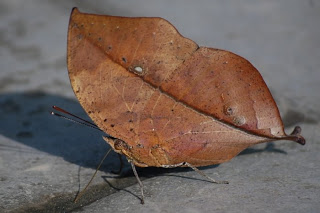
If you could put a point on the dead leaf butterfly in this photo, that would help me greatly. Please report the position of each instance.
(165, 101)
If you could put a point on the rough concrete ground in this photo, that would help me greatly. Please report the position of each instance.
(44, 160)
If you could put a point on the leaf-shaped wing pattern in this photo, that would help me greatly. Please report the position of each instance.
(165, 98)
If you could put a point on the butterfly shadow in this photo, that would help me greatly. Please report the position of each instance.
(269, 147)
(26, 119)
(127, 178)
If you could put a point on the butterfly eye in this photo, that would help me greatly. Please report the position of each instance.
(120, 145)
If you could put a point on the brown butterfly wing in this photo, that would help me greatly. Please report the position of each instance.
(167, 99)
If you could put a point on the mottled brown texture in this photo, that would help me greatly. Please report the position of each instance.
(165, 99)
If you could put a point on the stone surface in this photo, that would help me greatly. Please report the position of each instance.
(44, 160)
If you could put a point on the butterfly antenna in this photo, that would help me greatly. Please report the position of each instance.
(68, 113)
(81, 120)
(75, 121)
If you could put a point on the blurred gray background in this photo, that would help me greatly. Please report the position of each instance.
(44, 160)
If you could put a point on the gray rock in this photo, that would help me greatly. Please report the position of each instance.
(44, 160)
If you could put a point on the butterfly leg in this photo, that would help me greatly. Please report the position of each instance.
(138, 179)
(79, 195)
(204, 174)
(197, 170)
